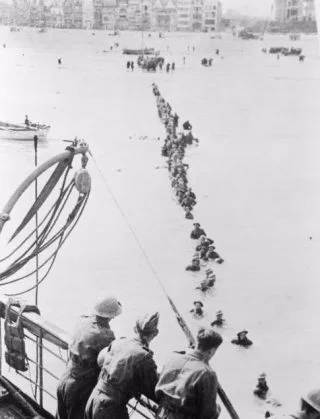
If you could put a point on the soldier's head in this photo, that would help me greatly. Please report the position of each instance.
(107, 308)
(146, 326)
(310, 405)
(208, 341)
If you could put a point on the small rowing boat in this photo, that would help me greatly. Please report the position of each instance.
(145, 51)
(23, 132)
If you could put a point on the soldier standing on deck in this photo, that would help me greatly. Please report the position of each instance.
(92, 334)
(127, 370)
(187, 386)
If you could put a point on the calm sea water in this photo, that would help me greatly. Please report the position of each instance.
(255, 173)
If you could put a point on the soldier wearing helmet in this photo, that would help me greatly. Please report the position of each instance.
(127, 370)
(92, 334)
(310, 406)
(187, 386)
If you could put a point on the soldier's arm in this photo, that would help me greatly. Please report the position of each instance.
(103, 346)
(207, 396)
(148, 377)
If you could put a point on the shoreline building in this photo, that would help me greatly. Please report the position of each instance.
(164, 16)
(134, 15)
(5, 13)
(309, 10)
(109, 14)
(146, 15)
(184, 13)
(212, 15)
(286, 11)
(197, 15)
(73, 16)
(87, 14)
(122, 23)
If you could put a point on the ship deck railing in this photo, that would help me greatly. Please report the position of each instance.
(47, 348)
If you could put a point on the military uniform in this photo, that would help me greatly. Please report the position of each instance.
(75, 387)
(197, 233)
(128, 370)
(187, 388)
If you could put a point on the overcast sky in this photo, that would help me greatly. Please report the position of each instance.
(252, 7)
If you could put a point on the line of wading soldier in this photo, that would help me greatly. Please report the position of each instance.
(104, 373)
(174, 148)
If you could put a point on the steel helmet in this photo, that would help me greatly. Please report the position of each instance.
(107, 307)
(313, 399)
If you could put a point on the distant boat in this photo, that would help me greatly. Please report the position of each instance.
(14, 29)
(145, 51)
(42, 30)
(244, 34)
(23, 132)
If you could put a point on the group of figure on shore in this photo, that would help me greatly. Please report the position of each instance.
(207, 62)
(103, 373)
(130, 65)
(152, 64)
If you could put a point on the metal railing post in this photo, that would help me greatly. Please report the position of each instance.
(40, 366)
(0, 346)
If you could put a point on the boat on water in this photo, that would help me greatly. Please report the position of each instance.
(145, 51)
(14, 29)
(285, 51)
(23, 132)
(244, 34)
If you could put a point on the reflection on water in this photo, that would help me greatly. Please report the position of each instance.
(255, 174)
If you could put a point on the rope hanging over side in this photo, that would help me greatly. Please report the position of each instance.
(223, 396)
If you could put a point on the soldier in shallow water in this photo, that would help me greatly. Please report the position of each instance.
(242, 339)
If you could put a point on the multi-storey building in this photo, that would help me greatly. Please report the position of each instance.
(184, 15)
(294, 10)
(5, 13)
(20, 12)
(73, 16)
(109, 14)
(134, 15)
(212, 15)
(309, 10)
(146, 15)
(97, 14)
(122, 23)
(164, 16)
(87, 14)
(280, 10)
(197, 16)
(56, 19)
